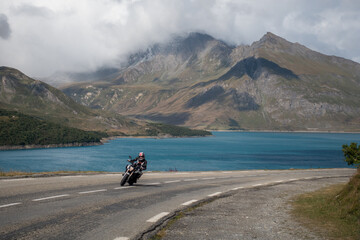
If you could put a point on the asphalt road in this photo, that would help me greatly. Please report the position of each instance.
(96, 207)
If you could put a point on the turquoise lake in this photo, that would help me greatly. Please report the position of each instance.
(223, 151)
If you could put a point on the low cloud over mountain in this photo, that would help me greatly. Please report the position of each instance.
(42, 37)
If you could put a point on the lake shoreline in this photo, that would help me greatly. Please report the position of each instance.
(102, 141)
(284, 131)
(26, 147)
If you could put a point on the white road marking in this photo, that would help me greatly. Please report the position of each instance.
(279, 181)
(122, 238)
(191, 179)
(214, 194)
(73, 176)
(10, 204)
(293, 179)
(117, 188)
(157, 217)
(93, 191)
(174, 181)
(208, 178)
(256, 185)
(17, 179)
(52, 197)
(237, 188)
(189, 202)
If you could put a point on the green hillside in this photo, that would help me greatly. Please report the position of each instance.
(20, 129)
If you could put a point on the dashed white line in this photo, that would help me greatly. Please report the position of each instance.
(279, 181)
(118, 188)
(174, 181)
(10, 204)
(51, 197)
(191, 179)
(18, 179)
(73, 176)
(122, 238)
(256, 185)
(208, 178)
(157, 217)
(214, 194)
(93, 191)
(293, 179)
(189, 202)
(237, 188)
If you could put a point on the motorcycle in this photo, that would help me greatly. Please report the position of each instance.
(132, 173)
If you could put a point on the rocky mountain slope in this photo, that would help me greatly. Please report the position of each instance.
(59, 114)
(201, 82)
(20, 93)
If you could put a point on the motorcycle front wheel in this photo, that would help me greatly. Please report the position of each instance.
(124, 179)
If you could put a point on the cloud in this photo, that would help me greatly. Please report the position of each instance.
(5, 30)
(82, 35)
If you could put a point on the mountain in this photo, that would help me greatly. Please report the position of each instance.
(202, 82)
(21, 93)
(33, 112)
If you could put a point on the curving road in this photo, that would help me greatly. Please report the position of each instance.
(96, 207)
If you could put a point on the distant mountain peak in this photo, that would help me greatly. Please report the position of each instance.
(183, 46)
(199, 37)
(271, 38)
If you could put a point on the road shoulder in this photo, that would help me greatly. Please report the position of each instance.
(251, 213)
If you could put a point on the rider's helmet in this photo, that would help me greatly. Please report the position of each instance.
(141, 155)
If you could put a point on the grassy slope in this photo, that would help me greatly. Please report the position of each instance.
(333, 212)
(20, 129)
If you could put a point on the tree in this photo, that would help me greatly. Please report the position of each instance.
(352, 154)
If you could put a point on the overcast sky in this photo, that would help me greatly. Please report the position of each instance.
(40, 37)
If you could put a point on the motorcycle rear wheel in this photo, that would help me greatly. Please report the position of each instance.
(131, 181)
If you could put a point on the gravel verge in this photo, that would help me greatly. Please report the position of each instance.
(252, 213)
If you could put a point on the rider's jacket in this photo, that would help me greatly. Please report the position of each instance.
(139, 161)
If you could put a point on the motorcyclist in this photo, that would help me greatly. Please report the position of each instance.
(139, 162)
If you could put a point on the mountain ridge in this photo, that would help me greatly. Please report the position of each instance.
(272, 84)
